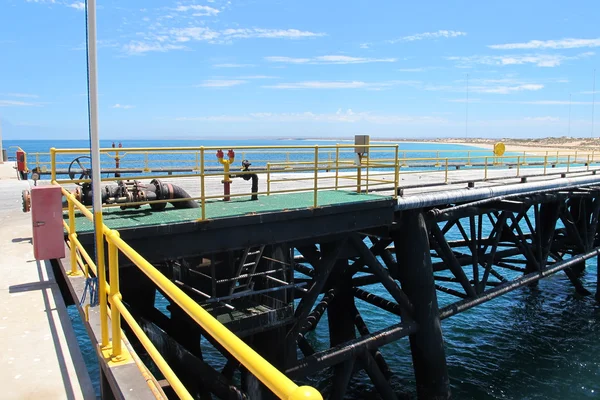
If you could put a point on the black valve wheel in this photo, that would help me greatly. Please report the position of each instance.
(79, 169)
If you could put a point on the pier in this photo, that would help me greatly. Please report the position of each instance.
(200, 254)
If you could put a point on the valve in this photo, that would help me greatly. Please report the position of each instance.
(220, 154)
(231, 154)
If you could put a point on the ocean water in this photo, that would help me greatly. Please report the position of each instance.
(533, 343)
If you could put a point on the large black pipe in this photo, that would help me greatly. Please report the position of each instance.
(504, 288)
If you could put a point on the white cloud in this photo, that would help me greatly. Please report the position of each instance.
(490, 86)
(555, 102)
(549, 44)
(330, 59)
(78, 5)
(200, 10)
(233, 65)
(429, 35)
(288, 60)
(542, 119)
(246, 33)
(123, 106)
(340, 85)
(221, 83)
(135, 48)
(258, 77)
(22, 95)
(505, 89)
(364, 45)
(16, 103)
(194, 33)
(411, 69)
(344, 116)
(540, 60)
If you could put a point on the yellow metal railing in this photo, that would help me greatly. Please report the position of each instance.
(323, 167)
(311, 169)
(271, 377)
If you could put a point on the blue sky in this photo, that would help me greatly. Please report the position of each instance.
(290, 68)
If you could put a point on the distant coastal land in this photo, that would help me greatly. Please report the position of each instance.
(532, 146)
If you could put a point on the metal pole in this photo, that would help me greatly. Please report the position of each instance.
(95, 156)
(593, 101)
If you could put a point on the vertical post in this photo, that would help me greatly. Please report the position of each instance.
(146, 169)
(593, 155)
(197, 156)
(359, 173)
(202, 188)
(95, 155)
(545, 162)
(337, 165)
(37, 161)
(588, 163)
(368, 162)
(396, 173)
(316, 182)
(568, 162)
(52, 164)
(485, 169)
(575, 157)
(468, 158)
(446, 173)
(518, 165)
(72, 237)
(268, 179)
(415, 273)
(115, 316)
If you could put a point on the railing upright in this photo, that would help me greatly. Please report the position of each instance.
(337, 165)
(396, 174)
(316, 182)
(202, 187)
(115, 295)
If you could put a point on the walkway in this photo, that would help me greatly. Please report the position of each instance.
(40, 357)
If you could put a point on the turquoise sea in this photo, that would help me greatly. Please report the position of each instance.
(533, 343)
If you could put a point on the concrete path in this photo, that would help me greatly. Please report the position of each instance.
(40, 358)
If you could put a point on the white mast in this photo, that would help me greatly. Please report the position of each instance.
(93, 107)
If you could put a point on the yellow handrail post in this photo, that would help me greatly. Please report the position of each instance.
(337, 164)
(101, 281)
(197, 166)
(468, 158)
(115, 316)
(545, 162)
(146, 169)
(359, 174)
(268, 179)
(52, 164)
(593, 156)
(202, 191)
(575, 156)
(485, 169)
(568, 163)
(518, 165)
(37, 161)
(316, 182)
(437, 158)
(587, 163)
(368, 164)
(446, 173)
(396, 174)
(72, 238)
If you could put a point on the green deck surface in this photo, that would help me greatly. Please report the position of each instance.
(115, 218)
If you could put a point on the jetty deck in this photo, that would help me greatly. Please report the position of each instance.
(41, 357)
(254, 277)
